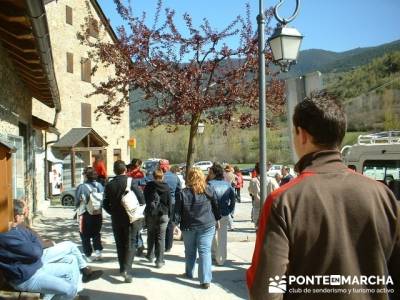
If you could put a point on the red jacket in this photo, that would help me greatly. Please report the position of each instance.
(100, 168)
(135, 173)
(239, 180)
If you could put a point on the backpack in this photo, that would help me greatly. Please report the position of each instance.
(131, 203)
(155, 206)
(95, 201)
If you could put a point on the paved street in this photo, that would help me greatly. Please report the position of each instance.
(168, 282)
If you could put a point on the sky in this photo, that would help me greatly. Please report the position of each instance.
(335, 25)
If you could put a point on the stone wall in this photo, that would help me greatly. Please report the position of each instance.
(15, 110)
(72, 89)
(15, 101)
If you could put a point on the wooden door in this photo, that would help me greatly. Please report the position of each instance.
(6, 207)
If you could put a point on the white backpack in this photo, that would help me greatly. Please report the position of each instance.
(95, 201)
(131, 203)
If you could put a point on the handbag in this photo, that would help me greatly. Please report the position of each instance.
(131, 203)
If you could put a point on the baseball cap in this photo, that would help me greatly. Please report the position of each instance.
(164, 165)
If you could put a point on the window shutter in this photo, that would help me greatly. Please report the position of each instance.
(68, 15)
(93, 28)
(86, 69)
(70, 62)
(117, 154)
(86, 115)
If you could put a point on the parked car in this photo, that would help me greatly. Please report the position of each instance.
(275, 169)
(68, 197)
(182, 166)
(150, 165)
(203, 165)
(247, 171)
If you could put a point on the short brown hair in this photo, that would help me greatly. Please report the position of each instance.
(323, 117)
(158, 175)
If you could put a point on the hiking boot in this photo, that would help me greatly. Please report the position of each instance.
(149, 258)
(204, 285)
(188, 276)
(159, 264)
(127, 277)
(140, 251)
(91, 275)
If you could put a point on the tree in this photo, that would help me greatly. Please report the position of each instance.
(191, 77)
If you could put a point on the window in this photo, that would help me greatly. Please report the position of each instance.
(19, 166)
(385, 171)
(68, 15)
(70, 62)
(93, 28)
(117, 154)
(86, 69)
(86, 115)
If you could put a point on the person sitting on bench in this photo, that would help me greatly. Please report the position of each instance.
(27, 267)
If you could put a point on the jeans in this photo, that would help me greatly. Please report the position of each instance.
(156, 229)
(60, 251)
(169, 235)
(125, 236)
(59, 280)
(238, 198)
(90, 226)
(219, 247)
(57, 253)
(199, 240)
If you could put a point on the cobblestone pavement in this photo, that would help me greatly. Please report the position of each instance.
(57, 223)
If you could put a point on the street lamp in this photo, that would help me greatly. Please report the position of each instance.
(284, 44)
(285, 41)
(200, 128)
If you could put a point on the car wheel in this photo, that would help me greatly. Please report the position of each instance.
(67, 200)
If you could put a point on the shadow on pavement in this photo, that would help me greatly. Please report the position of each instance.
(100, 295)
(233, 281)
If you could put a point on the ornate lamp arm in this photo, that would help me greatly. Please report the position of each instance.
(284, 21)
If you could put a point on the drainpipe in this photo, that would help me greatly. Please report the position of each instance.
(37, 16)
(38, 19)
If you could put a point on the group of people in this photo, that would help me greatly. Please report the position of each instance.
(328, 221)
(202, 210)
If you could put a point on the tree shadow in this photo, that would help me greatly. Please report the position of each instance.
(102, 295)
(233, 281)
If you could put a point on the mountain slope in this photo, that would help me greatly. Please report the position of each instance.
(329, 61)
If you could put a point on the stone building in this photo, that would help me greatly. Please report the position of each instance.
(26, 74)
(73, 71)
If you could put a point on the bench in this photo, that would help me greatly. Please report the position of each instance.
(8, 292)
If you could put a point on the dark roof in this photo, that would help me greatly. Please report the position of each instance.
(73, 137)
(41, 124)
(25, 35)
(7, 145)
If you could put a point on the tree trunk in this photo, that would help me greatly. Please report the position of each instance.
(192, 142)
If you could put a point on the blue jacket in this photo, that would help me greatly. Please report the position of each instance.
(174, 184)
(20, 254)
(225, 196)
(196, 211)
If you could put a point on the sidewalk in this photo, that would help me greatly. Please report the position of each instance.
(167, 282)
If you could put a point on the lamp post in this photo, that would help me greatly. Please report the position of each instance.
(285, 44)
(200, 128)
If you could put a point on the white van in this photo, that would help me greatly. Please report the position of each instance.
(377, 156)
